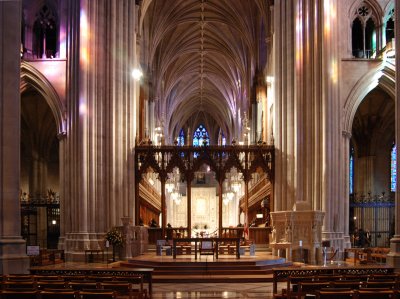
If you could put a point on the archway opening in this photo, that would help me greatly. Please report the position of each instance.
(40, 205)
(372, 202)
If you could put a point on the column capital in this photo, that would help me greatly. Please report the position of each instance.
(62, 136)
(346, 134)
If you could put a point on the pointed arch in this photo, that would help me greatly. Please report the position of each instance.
(383, 75)
(376, 12)
(31, 77)
(201, 136)
(388, 11)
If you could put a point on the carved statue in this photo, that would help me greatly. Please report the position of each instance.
(288, 234)
(273, 235)
(314, 233)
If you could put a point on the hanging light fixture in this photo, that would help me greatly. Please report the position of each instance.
(169, 186)
(230, 195)
(225, 199)
(173, 180)
(236, 185)
(178, 199)
(174, 195)
(227, 196)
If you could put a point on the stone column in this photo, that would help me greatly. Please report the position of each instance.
(189, 205)
(284, 104)
(344, 218)
(394, 255)
(13, 258)
(65, 209)
(68, 143)
(220, 190)
(307, 114)
(151, 121)
(102, 115)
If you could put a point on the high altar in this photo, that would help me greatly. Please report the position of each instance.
(298, 232)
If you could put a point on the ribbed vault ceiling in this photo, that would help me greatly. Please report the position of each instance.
(201, 58)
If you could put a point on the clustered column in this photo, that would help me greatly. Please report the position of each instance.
(307, 138)
(12, 246)
(394, 255)
(99, 182)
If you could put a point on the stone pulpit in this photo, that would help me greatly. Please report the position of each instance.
(299, 230)
(135, 239)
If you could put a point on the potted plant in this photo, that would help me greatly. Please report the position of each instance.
(115, 238)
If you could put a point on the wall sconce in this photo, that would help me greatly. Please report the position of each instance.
(137, 74)
(269, 79)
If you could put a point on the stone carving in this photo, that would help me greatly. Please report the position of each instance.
(273, 235)
(295, 229)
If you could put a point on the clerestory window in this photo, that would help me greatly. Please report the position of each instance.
(45, 34)
(363, 32)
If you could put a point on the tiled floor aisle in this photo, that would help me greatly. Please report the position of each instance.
(213, 290)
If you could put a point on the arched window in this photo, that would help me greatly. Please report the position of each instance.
(393, 173)
(45, 34)
(370, 39)
(221, 138)
(200, 137)
(181, 138)
(363, 32)
(351, 171)
(389, 28)
(357, 38)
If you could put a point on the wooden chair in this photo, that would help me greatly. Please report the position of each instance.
(121, 288)
(384, 277)
(375, 289)
(73, 277)
(48, 278)
(335, 294)
(80, 285)
(356, 277)
(389, 284)
(351, 284)
(19, 285)
(310, 287)
(293, 283)
(207, 247)
(329, 277)
(51, 284)
(98, 294)
(99, 278)
(374, 294)
(19, 294)
(59, 294)
(18, 277)
(134, 280)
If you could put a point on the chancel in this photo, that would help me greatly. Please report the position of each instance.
(253, 135)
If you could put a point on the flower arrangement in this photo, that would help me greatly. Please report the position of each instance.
(115, 237)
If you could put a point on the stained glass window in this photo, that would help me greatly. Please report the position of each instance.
(181, 138)
(223, 139)
(351, 171)
(200, 137)
(393, 174)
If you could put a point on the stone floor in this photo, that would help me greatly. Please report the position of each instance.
(213, 290)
